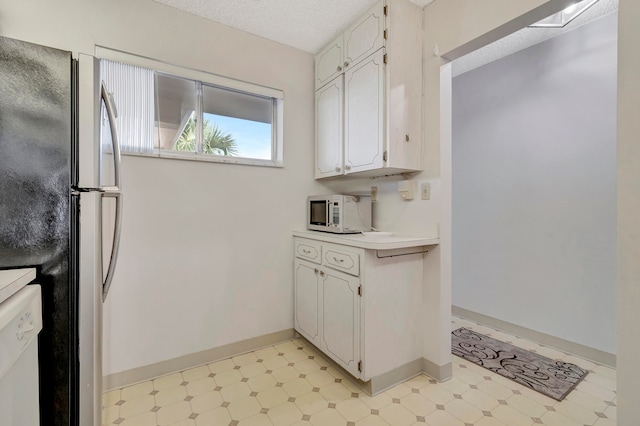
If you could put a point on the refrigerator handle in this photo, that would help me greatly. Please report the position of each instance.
(112, 192)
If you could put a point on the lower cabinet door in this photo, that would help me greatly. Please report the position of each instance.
(306, 320)
(341, 319)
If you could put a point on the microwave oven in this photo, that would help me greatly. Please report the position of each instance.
(340, 214)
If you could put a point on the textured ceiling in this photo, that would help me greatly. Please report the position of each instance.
(304, 24)
(527, 37)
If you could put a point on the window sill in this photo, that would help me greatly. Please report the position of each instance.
(207, 158)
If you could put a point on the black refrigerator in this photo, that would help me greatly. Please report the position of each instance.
(56, 118)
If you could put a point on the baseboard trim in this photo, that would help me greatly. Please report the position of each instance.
(441, 373)
(582, 351)
(152, 371)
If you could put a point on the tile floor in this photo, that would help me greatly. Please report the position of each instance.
(290, 384)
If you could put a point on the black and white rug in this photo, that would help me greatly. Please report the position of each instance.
(552, 378)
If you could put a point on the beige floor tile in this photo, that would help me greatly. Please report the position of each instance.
(186, 422)
(553, 418)
(173, 413)
(296, 356)
(418, 382)
(169, 381)
(353, 409)
(417, 404)
(463, 410)
(252, 370)
(200, 386)
(469, 377)
(285, 374)
(376, 402)
(196, 373)
(284, 414)
(335, 392)
(311, 403)
(111, 397)
(601, 381)
(146, 419)
(206, 401)
(327, 417)
(264, 353)
(235, 391)
(576, 412)
(297, 387)
(134, 407)
(307, 366)
(605, 371)
(243, 408)
(320, 378)
(397, 415)
(454, 385)
(537, 396)
(257, 420)
(302, 423)
(527, 406)
(275, 363)
(596, 391)
(261, 382)
(110, 414)
(489, 421)
(398, 391)
(335, 372)
(286, 347)
(372, 421)
(480, 400)
(227, 378)
(136, 391)
(495, 389)
(272, 397)
(510, 416)
(220, 366)
(611, 413)
(216, 417)
(436, 394)
(442, 418)
(244, 359)
(169, 396)
(605, 422)
(586, 401)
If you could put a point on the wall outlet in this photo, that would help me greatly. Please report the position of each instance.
(425, 191)
(374, 193)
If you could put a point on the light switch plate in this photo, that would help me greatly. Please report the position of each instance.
(425, 191)
(374, 193)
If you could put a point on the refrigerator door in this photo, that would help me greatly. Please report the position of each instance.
(100, 223)
(90, 244)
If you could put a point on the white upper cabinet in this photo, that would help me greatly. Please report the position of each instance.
(369, 95)
(361, 39)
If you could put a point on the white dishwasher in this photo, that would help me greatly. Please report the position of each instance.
(20, 323)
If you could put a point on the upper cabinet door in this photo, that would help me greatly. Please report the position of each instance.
(329, 62)
(329, 101)
(364, 106)
(364, 37)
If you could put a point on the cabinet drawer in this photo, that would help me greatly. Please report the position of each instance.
(340, 259)
(308, 249)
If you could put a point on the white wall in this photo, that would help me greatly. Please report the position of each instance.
(206, 253)
(534, 214)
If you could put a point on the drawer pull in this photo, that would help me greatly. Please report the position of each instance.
(335, 259)
(316, 270)
(322, 273)
(305, 251)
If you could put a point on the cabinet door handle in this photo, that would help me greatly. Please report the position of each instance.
(322, 273)
(316, 270)
(335, 259)
(338, 169)
(339, 68)
(347, 167)
(346, 64)
(305, 251)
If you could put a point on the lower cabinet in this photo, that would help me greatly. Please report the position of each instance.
(327, 312)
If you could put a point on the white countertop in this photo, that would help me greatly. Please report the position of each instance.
(370, 240)
(12, 280)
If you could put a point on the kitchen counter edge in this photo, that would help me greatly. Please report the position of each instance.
(367, 242)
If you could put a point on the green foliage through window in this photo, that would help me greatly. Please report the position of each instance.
(214, 140)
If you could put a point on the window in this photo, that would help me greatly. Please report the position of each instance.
(195, 116)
